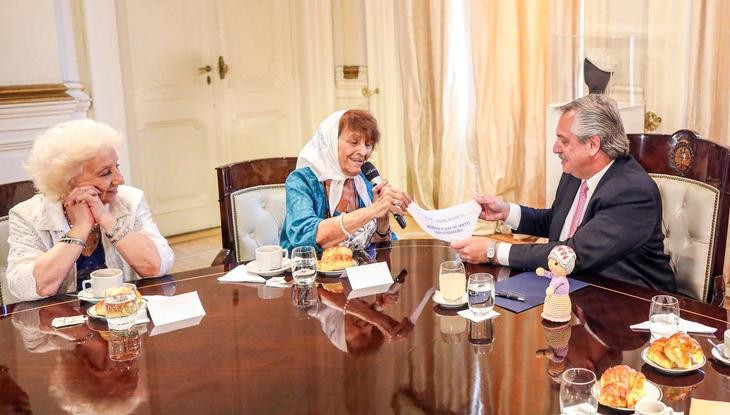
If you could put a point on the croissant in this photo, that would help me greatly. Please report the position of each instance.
(336, 258)
(621, 387)
(683, 350)
(656, 354)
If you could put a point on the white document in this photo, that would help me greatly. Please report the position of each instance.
(450, 224)
(176, 308)
(239, 274)
(369, 279)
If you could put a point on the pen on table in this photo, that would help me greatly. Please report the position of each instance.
(511, 296)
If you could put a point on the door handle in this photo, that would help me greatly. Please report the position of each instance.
(222, 67)
(204, 69)
(367, 92)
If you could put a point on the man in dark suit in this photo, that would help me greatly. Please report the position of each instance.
(606, 208)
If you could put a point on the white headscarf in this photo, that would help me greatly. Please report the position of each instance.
(320, 155)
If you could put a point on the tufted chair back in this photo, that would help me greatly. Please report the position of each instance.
(10, 195)
(692, 176)
(252, 204)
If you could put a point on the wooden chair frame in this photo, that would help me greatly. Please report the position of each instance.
(241, 175)
(686, 154)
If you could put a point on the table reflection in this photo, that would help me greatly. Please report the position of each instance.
(13, 399)
(83, 372)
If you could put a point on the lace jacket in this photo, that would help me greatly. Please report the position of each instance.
(37, 224)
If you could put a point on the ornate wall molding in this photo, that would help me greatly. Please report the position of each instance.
(19, 94)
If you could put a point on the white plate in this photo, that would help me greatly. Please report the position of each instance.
(718, 354)
(645, 358)
(91, 311)
(337, 272)
(651, 391)
(87, 295)
(440, 300)
(253, 268)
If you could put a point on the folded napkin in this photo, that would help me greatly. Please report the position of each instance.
(467, 314)
(279, 282)
(684, 325)
(239, 274)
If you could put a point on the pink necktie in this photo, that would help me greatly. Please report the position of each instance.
(582, 196)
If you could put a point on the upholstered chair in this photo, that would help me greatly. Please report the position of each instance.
(693, 179)
(252, 204)
(10, 195)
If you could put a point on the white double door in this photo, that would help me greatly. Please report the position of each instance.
(187, 114)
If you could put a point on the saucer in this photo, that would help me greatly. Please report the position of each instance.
(441, 301)
(718, 355)
(645, 358)
(87, 295)
(253, 268)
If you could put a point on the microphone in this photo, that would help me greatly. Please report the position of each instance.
(371, 173)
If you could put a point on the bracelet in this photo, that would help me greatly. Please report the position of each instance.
(344, 309)
(120, 235)
(384, 234)
(73, 241)
(342, 225)
(116, 228)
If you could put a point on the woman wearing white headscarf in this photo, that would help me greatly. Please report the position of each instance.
(328, 200)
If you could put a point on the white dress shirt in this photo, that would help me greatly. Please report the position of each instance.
(515, 215)
(38, 224)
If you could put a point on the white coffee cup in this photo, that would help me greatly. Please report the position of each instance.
(102, 279)
(269, 257)
(652, 407)
(726, 349)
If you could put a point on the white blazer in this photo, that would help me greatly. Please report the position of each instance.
(37, 224)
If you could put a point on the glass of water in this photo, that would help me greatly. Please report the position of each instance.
(304, 265)
(481, 293)
(663, 316)
(121, 305)
(575, 392)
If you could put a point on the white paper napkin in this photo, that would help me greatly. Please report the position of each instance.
(467, 314)
(278, 282)
(684, 325)
(239, 274)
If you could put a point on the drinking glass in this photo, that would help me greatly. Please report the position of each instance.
(124, 344)
(481, 293)
(121, 306)
(663, 316)
(304, 265)
(452, 280)
(575, 392)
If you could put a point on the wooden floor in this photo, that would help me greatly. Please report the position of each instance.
(197, 249)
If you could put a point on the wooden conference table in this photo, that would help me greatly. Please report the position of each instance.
(257, 352)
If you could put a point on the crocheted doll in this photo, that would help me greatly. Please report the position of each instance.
(561, 262)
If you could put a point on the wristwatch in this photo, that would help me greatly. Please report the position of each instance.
(491, 251)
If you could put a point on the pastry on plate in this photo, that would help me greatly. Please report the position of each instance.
(621, 387)
(683, 350)
(336, 258)
(656, 354)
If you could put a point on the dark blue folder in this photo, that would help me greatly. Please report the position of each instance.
(532, 286)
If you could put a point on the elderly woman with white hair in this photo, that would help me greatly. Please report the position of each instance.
(83, 219)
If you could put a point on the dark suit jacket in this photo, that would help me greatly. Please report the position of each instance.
(620, 236)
